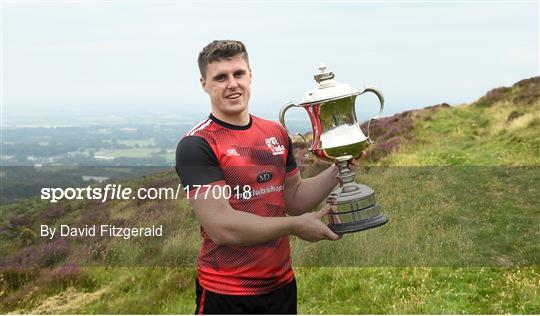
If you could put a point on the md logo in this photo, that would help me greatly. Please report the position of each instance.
(263, 177)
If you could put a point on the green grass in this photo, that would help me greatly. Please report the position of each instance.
(418, 291)
(472, 135)
(464, 216)
(145, 291)
(117, 291)
(321, 291)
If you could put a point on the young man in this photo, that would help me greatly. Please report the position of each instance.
(252, 182)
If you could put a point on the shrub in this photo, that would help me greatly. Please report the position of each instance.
(390, 132)
(27, 236)
(94, 213)
(41, 255)
(385, 148)
(12, 278)
(514, 115)
(22, 220)
(528, 95)
(493, 96)
(64, 276)
(52, 214)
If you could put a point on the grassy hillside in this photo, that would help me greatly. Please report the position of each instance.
(501, 128)
(459, 184)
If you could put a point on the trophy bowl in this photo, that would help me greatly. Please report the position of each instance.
(337, 138)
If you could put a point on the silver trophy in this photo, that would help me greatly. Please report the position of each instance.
(337, 138)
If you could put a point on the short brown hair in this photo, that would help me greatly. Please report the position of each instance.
(219, 50)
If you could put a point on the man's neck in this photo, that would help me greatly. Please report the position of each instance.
(238, 120)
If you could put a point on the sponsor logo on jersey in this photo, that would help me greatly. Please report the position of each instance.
(232, 152)
(270, 189)
(274, 145)
(263, 177)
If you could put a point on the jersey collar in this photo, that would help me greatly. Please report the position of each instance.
(231, 126)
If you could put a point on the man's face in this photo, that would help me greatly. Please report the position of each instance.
(228, 83)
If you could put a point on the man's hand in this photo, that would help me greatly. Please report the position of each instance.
(354, 163)
(311, 228)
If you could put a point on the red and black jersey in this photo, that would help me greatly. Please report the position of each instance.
(257, 158)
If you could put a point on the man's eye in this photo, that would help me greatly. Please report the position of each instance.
(239, 74)
(220, 78)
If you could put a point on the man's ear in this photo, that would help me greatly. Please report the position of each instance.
(203, 84)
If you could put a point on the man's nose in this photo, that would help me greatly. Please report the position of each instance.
(231, 82)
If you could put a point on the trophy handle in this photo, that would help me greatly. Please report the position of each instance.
(381, 101)
(282, 121)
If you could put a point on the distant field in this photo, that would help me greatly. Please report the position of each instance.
(138, 142)
(141, 153)
(131, 145)
(131, 153)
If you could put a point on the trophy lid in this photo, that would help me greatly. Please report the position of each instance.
(327, 88)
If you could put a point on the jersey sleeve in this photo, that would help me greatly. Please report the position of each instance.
(196, 162)
(291, 163)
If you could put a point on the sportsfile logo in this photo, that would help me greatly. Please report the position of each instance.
(232, 152)
(276, 148)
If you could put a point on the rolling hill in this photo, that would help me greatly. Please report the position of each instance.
(459, 184)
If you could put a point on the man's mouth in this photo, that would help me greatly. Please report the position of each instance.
(233, 96)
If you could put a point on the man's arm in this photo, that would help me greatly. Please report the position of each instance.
(230, 227)
(303, 195)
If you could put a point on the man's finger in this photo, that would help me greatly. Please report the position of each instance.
(325, 210)
(331, 235)
(353, 163)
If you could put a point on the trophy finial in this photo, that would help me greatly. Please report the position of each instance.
(324, 74)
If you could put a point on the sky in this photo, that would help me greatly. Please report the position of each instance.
(68, 58)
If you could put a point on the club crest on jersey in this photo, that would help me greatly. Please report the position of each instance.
(276, 148)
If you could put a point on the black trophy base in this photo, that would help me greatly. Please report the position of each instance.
(356, 226)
